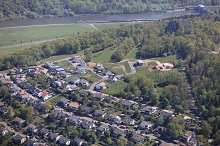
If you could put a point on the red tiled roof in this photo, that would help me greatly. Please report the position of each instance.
(44, 94)
(74, 105)
(18, 119)
(113, 115)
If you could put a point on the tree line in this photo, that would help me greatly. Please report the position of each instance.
(11, 9)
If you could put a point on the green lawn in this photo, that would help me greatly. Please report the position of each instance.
(132, 54)
(143, 71)
(26, 34)
(115, 87)
(65, 64)
(167, 59)
(111, 25)
(90, 77)
(56, 99)
(53, 58)
(127, 67)
(104, 55)
(152, 64)
(114, 67)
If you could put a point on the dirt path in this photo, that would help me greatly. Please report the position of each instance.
(93, 26)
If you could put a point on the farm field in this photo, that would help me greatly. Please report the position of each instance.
(104, 55)
(26, 34)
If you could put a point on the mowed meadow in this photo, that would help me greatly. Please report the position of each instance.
(22, 37)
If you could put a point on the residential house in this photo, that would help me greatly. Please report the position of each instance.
(75, 59)
(60, 70)
(45, 95)
(84, 82)
(37, 92)
(3, 131)
(32, 128)
(101, 130)
(39, 107)
(15, 71)
(87, 109)
(87, 124)
(165, 114)
(67, 75)
(19, 138)
(74, 106)
(128, 121)
(51, 65)
(109, 99)
(21, 75)
(145, 125)
(74, 120)
(128, 104)
(3, 110)
(14, 90)
(59, 115)
(112, 79)
(136, 138)
(20, 80)
(100, 113)
(114, 118)
(81, 70)
(118, 132)
(188, 136)
(18, 120)
(100, 86)
(149, 109)
(192, 142)
(44, 132)
(66, 86)
(31, 142)
(83, 92)
(75, 80)
(58, 83)
(139, 63)
(99, 67)
(64, 141)
(79, 141)
(98, 96)
(54, 136)
(6, 83)
(26, 86)
(106, 72)
(81, 63)
(64, 102)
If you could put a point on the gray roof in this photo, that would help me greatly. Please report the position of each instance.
(44, 131)
(145, 123)
(64, 139)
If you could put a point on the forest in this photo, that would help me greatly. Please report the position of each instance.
(17, 9)
(191, 38)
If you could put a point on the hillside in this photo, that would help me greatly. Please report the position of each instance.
(17, 9)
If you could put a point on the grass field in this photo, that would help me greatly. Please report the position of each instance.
(114, 67)
(115, 87)
(56, 99)
(127, 67)
(104, 55)
(167, 59)
(132, 54)
(53, 58)
(25, 34)
(90, 77)
(65, 64)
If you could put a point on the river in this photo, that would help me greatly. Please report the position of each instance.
(109, 17)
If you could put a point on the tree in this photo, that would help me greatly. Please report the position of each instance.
(109, 141)
(174, 131)
(122, 141)
(10, 111)
(206, 130)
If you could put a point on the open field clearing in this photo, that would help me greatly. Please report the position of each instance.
(104, 55)
(115, 87)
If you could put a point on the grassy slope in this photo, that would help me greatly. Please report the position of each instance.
(104, 55)
(115, 87)
(56, 99)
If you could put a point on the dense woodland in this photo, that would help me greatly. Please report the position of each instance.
(16, 9)
(191, 38)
